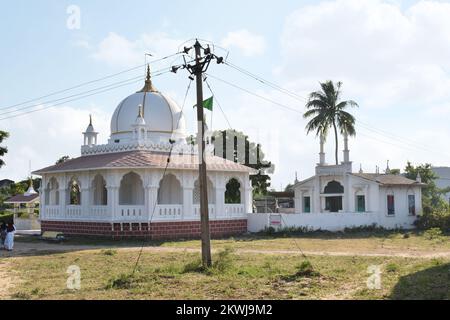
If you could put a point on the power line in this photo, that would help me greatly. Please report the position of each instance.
(87, 83)
(255, 94)
(75, 97)
(300, 98)
(78, 98)
(220, 107)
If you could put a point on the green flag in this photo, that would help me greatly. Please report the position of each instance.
(207, 104)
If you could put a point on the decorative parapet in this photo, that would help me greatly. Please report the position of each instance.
(158, 147)
(331, 170)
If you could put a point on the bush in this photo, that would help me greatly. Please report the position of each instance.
(224, 260)
(305, 269)
(433, 234)
(6, 217)
(123, 281)
(434, 219)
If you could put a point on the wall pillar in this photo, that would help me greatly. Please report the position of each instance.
(62, 201)
(85, 202)
(220, 201)
(151, 200)
(188, 201)
(113, 201)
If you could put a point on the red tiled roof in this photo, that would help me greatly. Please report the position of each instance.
(142, 159)
(20, 198)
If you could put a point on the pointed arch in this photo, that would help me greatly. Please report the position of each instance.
(131, 191)
(211, 192)
(52, 192)
(233, 191)
(170, 191)
(99, 193)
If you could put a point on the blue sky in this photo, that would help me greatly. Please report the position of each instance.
(391, 55)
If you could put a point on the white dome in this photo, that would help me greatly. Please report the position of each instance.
(161, 115)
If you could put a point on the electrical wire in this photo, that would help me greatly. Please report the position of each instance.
(75, 97)
(88, 82)
(218, 103)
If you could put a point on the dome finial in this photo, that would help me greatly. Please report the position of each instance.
(148, 86)
(90, 119)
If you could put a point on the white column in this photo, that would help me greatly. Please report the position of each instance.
(188, 205)
(113, 201)
(220, 201)
(151, 199)
(85, 202)
(62, 202)
(322, 153)
(316, 200)
(346, 151)
(248, 204)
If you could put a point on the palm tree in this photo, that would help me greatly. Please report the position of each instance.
(3, 150)
(327, 112)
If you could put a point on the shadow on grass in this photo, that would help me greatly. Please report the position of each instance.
(429, 284)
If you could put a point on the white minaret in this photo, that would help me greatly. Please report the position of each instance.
(322, 153)
(418, 178)
(90, 136)
(140, 127)
(346, 151)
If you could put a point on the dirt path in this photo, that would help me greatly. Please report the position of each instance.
(30, 249)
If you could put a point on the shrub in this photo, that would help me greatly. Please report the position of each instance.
(433, 234)
(392, 267)
(123, 281)
(109, 252)
(305, 269)
(439, 218)
(224, 260)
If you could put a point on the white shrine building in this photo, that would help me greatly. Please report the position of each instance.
(119, 189)
(336, 198)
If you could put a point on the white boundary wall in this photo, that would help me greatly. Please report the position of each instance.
(327, 221)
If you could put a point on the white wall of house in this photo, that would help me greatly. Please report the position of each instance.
(140, 201)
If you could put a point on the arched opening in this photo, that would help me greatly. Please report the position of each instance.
(211, 192)
(99, 193)
(170, 191)
(232, 191)
(73, 192)
(333, 203)
(131, 190)
(52, 193)
(333, 187)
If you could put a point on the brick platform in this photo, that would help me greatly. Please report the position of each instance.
(156, 230)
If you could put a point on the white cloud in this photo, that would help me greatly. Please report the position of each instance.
(48, 135)
(249, 43)
(374, 47)
(119, 51)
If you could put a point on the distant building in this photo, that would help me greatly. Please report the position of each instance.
(443, 180)
(336, 198)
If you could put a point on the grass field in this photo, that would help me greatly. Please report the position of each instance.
(239, 274)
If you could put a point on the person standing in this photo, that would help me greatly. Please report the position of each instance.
(9, 241)
(3, 232)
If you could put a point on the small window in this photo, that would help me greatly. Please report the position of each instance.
(390, 205)
(360, 203)
(412, 205)
(307, 204)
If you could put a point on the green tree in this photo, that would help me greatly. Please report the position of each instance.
(62, 159)
(252, 151)
(3, 150)
(327, 111)
(431, 194)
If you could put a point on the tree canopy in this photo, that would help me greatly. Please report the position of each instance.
(326, 111)
(3, 150)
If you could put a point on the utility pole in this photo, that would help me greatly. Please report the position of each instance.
(205, 232)
(200, 66)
